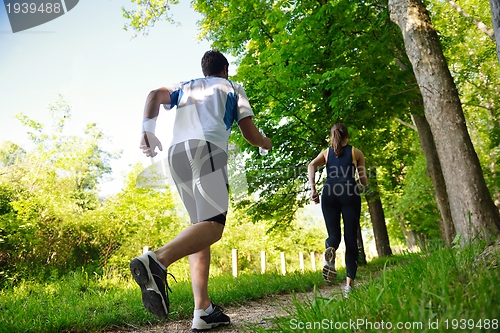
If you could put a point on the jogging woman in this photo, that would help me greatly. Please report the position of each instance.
(340, 197)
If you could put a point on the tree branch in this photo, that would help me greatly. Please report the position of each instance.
(480, 25)
(402, 122)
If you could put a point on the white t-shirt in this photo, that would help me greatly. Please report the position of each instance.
(206, 109)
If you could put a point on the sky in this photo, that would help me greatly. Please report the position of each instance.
(101, 72)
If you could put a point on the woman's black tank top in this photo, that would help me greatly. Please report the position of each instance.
(340, 169)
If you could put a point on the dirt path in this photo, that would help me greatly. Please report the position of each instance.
(257, 312)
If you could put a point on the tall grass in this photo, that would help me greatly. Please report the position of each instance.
(443, 291)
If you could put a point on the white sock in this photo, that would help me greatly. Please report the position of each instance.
(210, 309)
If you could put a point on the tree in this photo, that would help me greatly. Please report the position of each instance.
(142, 18)
(435, 172)
(10, 154)
(470, 51)
(361, 249)
(480, 25)
(49, 189)
(495, 14)
(434, 169)
(378, 223)
(472, 208)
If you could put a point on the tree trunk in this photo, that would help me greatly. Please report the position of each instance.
(495, 16)
(435, 172)
(411, 242)
(377, 217)
(496, 192)
(378, 223)
(471, 205)
(361, 249)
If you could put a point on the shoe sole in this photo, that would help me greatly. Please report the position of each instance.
(213, 325)
(330, 254)
(329, 275)
(151, 298)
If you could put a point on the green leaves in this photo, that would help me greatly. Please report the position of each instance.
(48, 192)
(147, 13)
(306, 65)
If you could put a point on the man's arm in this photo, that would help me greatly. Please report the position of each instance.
(252, 134)
(149, 141)
(154, 100)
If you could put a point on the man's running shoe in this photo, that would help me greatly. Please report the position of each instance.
(329, 272)
(203, 321)
(152, 278)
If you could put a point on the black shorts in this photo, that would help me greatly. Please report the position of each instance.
(199, 170)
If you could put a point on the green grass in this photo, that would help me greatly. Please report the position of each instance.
(443, 291)
(82, 303)
(443, 285)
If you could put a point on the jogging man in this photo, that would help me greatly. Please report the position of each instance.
(206, 110)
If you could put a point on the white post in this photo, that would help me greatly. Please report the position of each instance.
(235, 262)
(262, 262)
(283, 263)
(313, 262)
(301, 261)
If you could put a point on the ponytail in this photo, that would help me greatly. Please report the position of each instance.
(338, 134)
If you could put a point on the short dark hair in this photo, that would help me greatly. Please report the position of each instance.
(213, 62)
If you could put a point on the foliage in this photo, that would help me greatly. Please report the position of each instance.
(306, 65)
(148, 12)
(11, 154)
(417, 205)
(46, 191)
(407, 190)
(57, 221)
(413, 204)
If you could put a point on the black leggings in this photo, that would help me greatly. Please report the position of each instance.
(337, 199)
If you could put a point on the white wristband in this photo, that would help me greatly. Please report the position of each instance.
(149, 125)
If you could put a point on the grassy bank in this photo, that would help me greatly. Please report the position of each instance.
(442, 291)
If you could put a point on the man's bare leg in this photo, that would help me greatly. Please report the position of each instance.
(193, 239)
(199, 265)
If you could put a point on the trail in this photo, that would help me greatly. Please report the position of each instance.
(259, 312)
